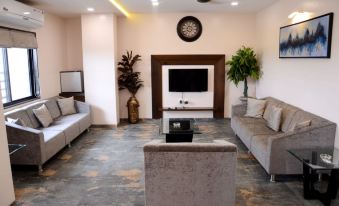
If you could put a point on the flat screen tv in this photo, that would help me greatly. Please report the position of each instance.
(188, 80)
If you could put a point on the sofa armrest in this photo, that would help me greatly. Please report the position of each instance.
(34, 152)
(321, 135)
(83, 107)
(239, 110)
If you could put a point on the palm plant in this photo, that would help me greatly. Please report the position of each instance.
(243, 64)
(129, 79)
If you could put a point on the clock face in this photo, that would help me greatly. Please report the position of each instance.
(189, 28)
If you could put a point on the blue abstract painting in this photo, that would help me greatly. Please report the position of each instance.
(308, 39)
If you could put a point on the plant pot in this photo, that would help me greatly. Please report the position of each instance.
(243, 99)
(133, 110)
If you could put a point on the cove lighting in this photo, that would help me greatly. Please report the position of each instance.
(155, 2)
(90, 9)
(234, 3)
(299, 16)
(119, 7)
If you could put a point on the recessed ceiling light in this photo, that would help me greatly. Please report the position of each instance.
(234, 3)
(155, 3)
(27, 13)
(90, 9)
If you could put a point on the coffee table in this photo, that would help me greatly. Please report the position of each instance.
(314, 161)
(178, 129)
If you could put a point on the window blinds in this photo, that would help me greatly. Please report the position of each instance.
(18, 39)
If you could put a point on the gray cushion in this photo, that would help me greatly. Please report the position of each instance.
(43, 115)
(53, 108)
(29, 109)
(255, 108)
(274, 118)
(20, 114)
(66, 106)
(16, 121)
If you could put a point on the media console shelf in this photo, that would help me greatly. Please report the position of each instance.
(186, 109)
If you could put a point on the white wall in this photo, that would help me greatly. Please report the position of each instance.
(148, 34)
(51, 54)
(98, 43)
(6, 187)
(311, 84)
(194, 99)
(73, 44)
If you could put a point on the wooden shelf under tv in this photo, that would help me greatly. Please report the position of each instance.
(186, 109)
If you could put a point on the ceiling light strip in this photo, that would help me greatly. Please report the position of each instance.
(119, 7)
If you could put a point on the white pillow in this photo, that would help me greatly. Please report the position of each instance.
(17, 121)
(255, 108)
(274, 118)
(43, 115)
(67, 106)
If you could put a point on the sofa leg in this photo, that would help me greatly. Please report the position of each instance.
(249, 152)
(87, 130)
(40, 169)
(272, 178)
(69, 145)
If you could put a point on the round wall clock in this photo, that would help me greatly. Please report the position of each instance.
(189, 28)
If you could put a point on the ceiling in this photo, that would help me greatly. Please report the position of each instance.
(69, 8)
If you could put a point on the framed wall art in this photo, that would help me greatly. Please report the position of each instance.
(307, 39)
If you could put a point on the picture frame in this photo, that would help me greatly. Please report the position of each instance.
(307, 39)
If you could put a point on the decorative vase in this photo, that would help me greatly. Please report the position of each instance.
(133, 110)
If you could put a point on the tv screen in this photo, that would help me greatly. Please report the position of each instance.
(188, 80)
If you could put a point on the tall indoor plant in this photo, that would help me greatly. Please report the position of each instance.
(130, 80)
(243, 64)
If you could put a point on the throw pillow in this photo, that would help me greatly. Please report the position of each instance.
(67, 106)
(43, 115)
(255, 108)
(17, 121)
(274, 118)
(301, 125)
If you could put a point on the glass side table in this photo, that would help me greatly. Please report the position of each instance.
(15, 147)
(315, 160)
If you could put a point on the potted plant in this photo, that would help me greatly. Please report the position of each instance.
(243, 64)
(130, 80)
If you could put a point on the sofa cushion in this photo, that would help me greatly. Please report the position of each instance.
(287, 115)
(255, 108)
(54, 141)
(274, 118)
(29, 109)
(17, 121)
(53, 107)
(20, 114)
(249, 127)
(43, 115)
(66, 106)
(300, 117)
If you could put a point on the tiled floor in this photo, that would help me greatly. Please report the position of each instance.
(105, 167)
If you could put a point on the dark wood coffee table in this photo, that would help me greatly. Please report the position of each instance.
(314, 162)
(178, 129)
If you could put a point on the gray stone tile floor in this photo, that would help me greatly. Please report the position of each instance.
(105, 167)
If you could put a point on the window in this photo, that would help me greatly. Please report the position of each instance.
(18, 75)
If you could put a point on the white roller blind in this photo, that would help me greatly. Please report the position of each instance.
(17, 39)
(5, 38)
(22, 39)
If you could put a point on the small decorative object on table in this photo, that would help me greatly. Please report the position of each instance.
(130, 80)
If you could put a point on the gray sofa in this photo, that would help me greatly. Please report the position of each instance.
(183, 174)
(270, 147)
(43, 143)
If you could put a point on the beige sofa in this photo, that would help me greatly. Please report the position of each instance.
(270, 147)
(187, 174)
(43, 143)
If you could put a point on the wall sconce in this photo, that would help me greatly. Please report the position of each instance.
(299, 16)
